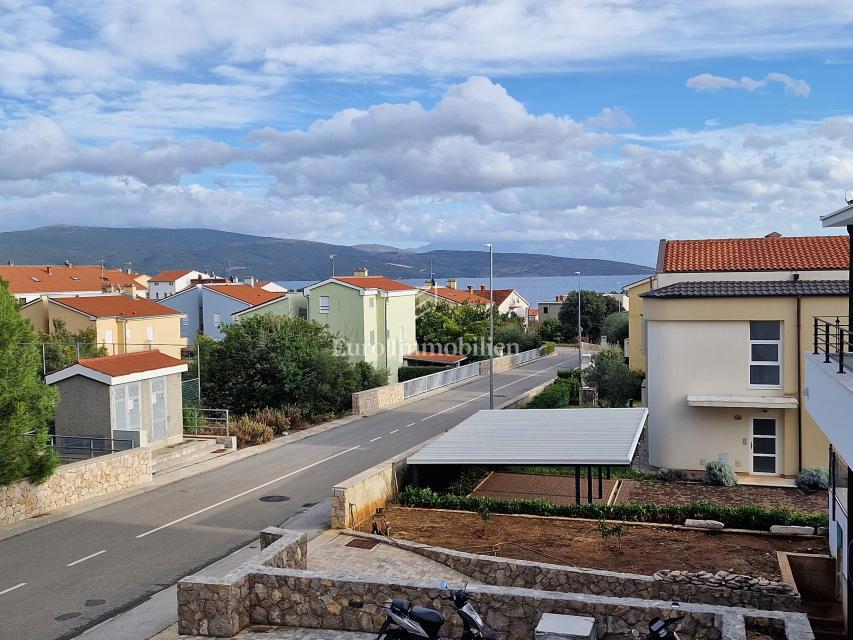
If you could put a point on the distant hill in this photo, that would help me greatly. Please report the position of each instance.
(150, 250)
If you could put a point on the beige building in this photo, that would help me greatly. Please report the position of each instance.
(123, 324)
(30, 282)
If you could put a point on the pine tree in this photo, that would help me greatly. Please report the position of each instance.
(26, 402)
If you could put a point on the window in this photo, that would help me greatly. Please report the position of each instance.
(370, 302)
(125, 398)
(217, 322)
(325, 304)
(303, 313)
(765, 354)
(372, 337)
(544, 311)
(108, 336)
(129, 332)
(185, 321)
(149, 334)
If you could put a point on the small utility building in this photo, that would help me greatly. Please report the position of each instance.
(133, 396)
(597, 439)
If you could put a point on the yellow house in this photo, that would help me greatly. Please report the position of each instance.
(123, 324)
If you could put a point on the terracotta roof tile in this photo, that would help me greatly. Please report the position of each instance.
(429, 356)
(459, 296)
(375, 282)
(499, 295)
(127, 363)
(63, 279)
(117, 306)
(171, 275)
(245, 293)
(780, 253)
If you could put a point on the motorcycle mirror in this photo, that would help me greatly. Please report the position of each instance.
(443, 584)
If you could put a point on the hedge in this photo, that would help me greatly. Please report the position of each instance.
(547, 348)
(409, 373)
(749, 516)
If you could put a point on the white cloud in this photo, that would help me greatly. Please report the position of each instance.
(709, 82)
(611, 118)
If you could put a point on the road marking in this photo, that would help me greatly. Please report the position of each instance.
(456, 406)
(89, 557)
(17, 586)
(394, 431)
(410, 425)
(246, 492)
(376, 438)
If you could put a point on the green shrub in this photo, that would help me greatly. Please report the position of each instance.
(720, 474)
(562, 393)
(366, 376)
(547, 348)
(569, 374)
(275, 419)
(672, 475)
(812, 479)
(249, 432)
(410, 373)
(749, 516)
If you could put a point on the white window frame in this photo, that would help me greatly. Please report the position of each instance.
(149, 334)
(372, 338)
(370, 302)
(765, 363)
(777, 442)
(108, 337)
(325, 304)
(126, 388)
(217, 321)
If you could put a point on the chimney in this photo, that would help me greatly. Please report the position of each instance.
(67, 264)
(560, 298)
(470, 288)
(482, 287)
(49, 270)
(250, 281)
(361, 272)
(451, 283)
(773, 234)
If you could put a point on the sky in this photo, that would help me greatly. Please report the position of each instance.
(537, 124)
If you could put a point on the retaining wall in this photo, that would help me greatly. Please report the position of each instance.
(275, 589)
(75, 482)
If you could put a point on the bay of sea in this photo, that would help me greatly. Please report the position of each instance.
(534, 290)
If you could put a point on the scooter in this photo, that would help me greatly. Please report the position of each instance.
(407, 622)
(659, 629)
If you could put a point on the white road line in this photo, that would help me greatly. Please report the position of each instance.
(456, 406)
(17, 586)
(89, 557)
(376, 438)
(410, 425)
(246, 492)
(394, 431)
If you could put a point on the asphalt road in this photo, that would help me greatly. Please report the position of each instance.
(57, 580)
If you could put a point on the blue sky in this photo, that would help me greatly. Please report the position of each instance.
(572, 126)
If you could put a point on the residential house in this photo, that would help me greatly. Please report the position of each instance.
(373, 315)
(509, 302)
(449, 294)
(551, 308)
(30, 282)
(167, 283)
(207, 307)
(134, 397)
(533, 314)
(292, 303)
(723, 348)
(122, 324)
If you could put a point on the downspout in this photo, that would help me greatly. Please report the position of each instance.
(799, 381)
(385, 328)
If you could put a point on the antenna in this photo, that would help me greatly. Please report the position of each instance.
(848, 196)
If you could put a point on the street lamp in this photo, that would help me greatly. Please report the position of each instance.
(580, 353)
(491, 329)
(332, 260)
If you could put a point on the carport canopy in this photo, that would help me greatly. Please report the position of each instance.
(556, 437)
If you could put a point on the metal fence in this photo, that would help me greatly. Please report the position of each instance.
(85, 447)
(833, 339)
(526, 356)
(207, 421)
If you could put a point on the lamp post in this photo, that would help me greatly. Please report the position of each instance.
(332, 260)
(580, 344)
(491, 329)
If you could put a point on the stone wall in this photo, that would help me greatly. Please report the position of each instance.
(551, 577)
(275, 589)
(373, 400)
(74, 483)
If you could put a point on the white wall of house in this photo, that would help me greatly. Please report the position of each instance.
(157, 290)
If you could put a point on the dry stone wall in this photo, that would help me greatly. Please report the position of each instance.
(74, 483)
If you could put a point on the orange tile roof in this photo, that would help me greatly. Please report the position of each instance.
(802, 253)
(127, 363)
(499, 295)
(171, 275)
(63, 279)
(245, 293)
(459, 296)
(374, 282)
(429, 356)
(117, 306)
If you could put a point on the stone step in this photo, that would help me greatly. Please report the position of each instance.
(180, 455)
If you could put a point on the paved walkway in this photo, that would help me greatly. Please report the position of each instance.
(329, 552)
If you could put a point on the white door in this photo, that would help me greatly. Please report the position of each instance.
(159, 426)
(765, 446)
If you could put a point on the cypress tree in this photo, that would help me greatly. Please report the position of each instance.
(26, 402)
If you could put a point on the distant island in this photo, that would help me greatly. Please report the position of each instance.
(150, 250)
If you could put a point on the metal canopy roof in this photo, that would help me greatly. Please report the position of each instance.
(539, 437)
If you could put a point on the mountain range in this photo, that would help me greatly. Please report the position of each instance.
(150, 250)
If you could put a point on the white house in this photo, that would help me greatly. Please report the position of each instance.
(167, 283)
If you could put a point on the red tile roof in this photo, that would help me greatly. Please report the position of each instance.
(171, 275)
(117, 306)
(429, 356)
(64, 279)
(459, 296)
(127, 363)
(499, 295)
(803, 253)
(374, 282)
(245, 293)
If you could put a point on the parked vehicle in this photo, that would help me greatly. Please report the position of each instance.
(408, 622)
(659, 629)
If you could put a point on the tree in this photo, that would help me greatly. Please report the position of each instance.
(594, 308)
(615, 327)
(26, 402)
(275, 361)
(440, 325)
(552, 330)
(615, 382)
(64, 347)
(514, 338)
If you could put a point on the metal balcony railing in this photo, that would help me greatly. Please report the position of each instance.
(832, 339)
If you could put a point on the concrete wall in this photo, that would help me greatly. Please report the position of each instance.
(84, 408)
(636, 327)
(74, 483)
